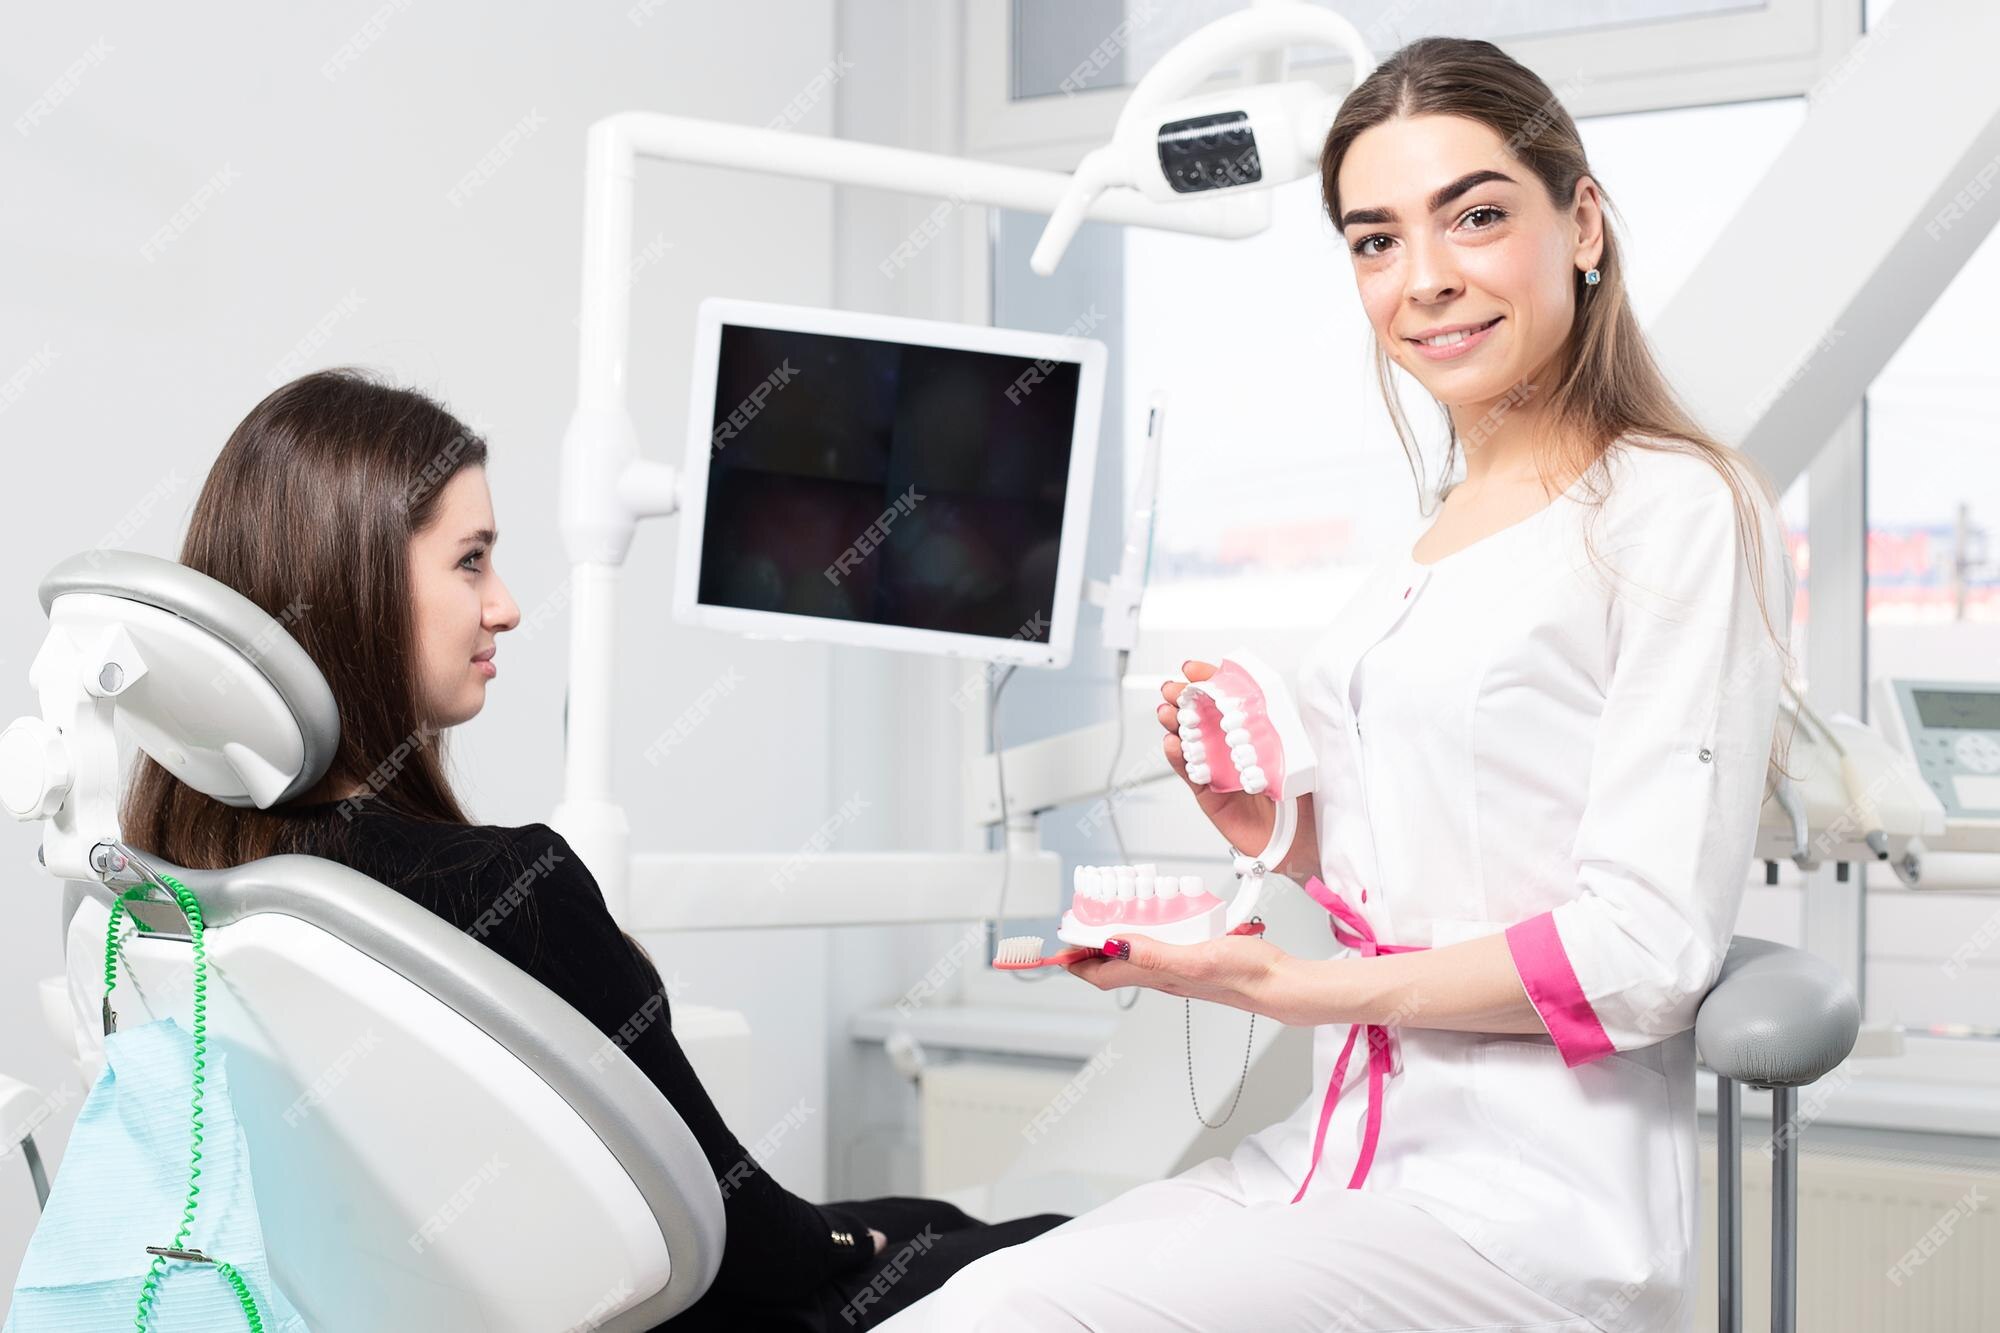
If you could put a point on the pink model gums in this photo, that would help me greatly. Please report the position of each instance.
(1138, 900)
(1239, 732)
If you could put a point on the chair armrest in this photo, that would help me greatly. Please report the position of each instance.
(1776, 1016)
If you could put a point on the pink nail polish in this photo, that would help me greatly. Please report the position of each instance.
(1116, 949)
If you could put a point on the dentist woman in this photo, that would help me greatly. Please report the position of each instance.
(1543, 730)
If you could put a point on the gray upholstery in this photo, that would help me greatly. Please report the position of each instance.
(629, 1114)
(229, 616)
(1777, 1017)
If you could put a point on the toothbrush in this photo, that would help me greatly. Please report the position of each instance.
(1019, 953)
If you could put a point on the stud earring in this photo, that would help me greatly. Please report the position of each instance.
(1592, 278)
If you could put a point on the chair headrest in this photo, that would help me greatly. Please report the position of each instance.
(228, 700)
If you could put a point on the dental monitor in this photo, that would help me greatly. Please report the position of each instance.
(888, 482)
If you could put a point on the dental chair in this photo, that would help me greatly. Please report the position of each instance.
(1777, 1018)
(437, 1140)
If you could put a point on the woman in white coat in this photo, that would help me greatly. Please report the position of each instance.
(1543, 734)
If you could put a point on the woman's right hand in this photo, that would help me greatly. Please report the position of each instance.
(1244, 819)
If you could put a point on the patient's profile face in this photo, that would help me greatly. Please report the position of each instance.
(461, 605)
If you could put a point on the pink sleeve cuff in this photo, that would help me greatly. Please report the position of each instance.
(1553, 989)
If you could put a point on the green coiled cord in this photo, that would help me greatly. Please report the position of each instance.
(191, 909)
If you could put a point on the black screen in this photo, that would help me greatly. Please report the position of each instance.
(855, 479)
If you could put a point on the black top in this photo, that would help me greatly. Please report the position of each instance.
(527, 896)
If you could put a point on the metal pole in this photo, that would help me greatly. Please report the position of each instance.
(1728, 1206)
(1784, 1211)
(35, 1173)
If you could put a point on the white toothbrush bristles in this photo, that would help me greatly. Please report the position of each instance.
(1019, 949)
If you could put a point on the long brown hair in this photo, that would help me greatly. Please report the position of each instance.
(1605, 385)
(308, 511)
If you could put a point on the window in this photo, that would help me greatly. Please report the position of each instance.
(1933, 503)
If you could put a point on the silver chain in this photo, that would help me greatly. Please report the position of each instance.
(1194, 1098)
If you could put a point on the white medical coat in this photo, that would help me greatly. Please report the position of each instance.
(1572, 749)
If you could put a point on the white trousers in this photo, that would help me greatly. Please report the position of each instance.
(1198, 1253)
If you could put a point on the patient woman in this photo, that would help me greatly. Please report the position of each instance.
(359, 515)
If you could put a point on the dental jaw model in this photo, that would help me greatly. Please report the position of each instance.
(1113, 901)
(1241, 732)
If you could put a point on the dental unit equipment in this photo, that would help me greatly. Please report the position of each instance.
(1256, 137)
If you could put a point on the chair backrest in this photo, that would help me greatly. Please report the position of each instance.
(437, 1140)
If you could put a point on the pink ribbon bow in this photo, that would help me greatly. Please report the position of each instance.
(1360, 937)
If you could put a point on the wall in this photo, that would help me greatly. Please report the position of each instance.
(195, 210)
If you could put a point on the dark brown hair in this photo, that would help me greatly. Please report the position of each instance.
(308, 511)
(1605, 385)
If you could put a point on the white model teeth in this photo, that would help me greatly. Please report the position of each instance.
(1189, 716)
(1240, 736)
(1234, 720)
(1168, 887)
(1243, 755)
(1198, 774)
(1194, 752)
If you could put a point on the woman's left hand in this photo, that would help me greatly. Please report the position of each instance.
(1242, 971)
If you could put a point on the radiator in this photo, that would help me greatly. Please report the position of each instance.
(975, 1118)
(1889, 1241)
